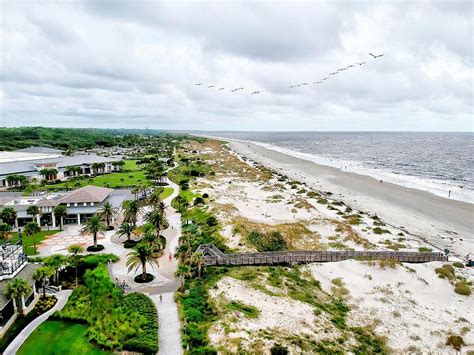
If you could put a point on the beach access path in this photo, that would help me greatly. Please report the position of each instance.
(26, 332)
(442, 222)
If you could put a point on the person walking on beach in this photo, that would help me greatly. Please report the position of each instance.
(449, 193)
(161, 297)
(170, 256)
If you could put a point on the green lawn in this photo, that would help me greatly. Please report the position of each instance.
(131, 176)
(166, 192)
(28, 245)
(59, 338)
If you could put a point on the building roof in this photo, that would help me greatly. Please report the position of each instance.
(88, 193)
(43, 150)
(26, 162)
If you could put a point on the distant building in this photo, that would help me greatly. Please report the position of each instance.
(29, 162)
(81, 204)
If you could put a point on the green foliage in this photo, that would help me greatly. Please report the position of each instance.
(378, 230)
(248, 311)
(458, 264)
(101, 304)
(462, 288)
(272, 241)
(146, 340)
(446, 271)
(455, 341)
(425, 250)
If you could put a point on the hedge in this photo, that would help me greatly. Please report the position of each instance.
(147, 340)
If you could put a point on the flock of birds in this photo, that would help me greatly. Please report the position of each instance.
(339, 70)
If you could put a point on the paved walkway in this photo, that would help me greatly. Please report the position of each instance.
(26, 332)
(169, 332)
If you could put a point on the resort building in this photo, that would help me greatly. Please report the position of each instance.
(34, 162)
(14, 264)
(81, 204)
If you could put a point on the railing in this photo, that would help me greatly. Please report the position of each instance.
(9, 249)
(213, 256)
(9, 268)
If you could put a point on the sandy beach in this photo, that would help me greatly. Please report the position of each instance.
(442, 222)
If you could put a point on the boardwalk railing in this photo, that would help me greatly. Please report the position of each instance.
(214, 256)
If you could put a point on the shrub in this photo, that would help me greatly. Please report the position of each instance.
(446, 271)
(147, 340)
(278, 349)
(198, 201)
(425, 250)
(248, 311)
(455, 341)
(378, 230)
(458, 264)
(462, 288)
(205, 195)
(272, 241)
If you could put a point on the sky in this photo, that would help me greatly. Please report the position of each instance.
(134, 64)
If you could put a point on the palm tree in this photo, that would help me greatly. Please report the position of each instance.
(4, 229)
(75, 250)
(18, 288)
(55, 262)
(60, 211)
(8, 215)
(107, 211)
(43, 274)
(131, 211)
(157, 220)
(183, 272)
(31, 229)
(33, 211)
(154, 199)
(142, 255)
(126, 229)
(197, 262)
(93, 226)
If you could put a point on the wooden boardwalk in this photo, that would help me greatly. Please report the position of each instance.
(214, 256)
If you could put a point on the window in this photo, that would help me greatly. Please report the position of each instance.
(92, 203)
(84, 204)
(75, 204)
(68, 204)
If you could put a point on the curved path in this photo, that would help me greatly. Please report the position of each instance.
(26, 332)
(165, 283)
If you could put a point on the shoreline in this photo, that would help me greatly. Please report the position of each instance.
(440, 188)
(441, 222)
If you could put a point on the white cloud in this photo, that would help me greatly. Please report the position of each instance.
(134, 64)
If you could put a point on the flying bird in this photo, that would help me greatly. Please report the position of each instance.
(221, 88)
(198, 84)
(211, 86)
(304, 84)
(376, 56)
(361, 63)
(324, 78)
(256, 92)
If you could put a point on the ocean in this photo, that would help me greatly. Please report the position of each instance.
(435, 162)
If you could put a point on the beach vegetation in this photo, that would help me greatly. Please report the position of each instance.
(312, 194)
(322, 201)
(378, 230)
(270, 241)
(458, 264)
(462, 288)
(425, 250)
(248, 311)
(455, 341)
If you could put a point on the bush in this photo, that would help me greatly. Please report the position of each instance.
(272, 241)
(147, 340)
(462, 288)
(455, 341)
(198, 201)
(425, 250)
(446, 271)
(205, 195)
(378, 230)
(212, 221)
(278, 349)
(458, 264)
(129, 244)
(46, 303)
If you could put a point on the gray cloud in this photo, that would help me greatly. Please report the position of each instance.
(134, 64)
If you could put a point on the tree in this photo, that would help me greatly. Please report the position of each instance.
(93, 226)
(107, 211)
(157, 220)
(197, 262)
(43, 274)
(33, 211)
(183, 272)
(126, 229)
(55, 262)
(49, 173)
(4, 229)
(8, 215)
(31, 229)
(154, 199)
(75, 250)
(142, 255)
(60, 211)
(131, 211)
(16, 289)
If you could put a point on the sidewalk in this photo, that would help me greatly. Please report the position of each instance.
(169, 332)
(26, 332)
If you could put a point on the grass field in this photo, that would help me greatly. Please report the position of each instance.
(130, 177)
(28, 245)
(166, 192)
(59, 338)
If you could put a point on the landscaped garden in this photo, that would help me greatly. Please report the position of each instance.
(29, 241)
(57, 337)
